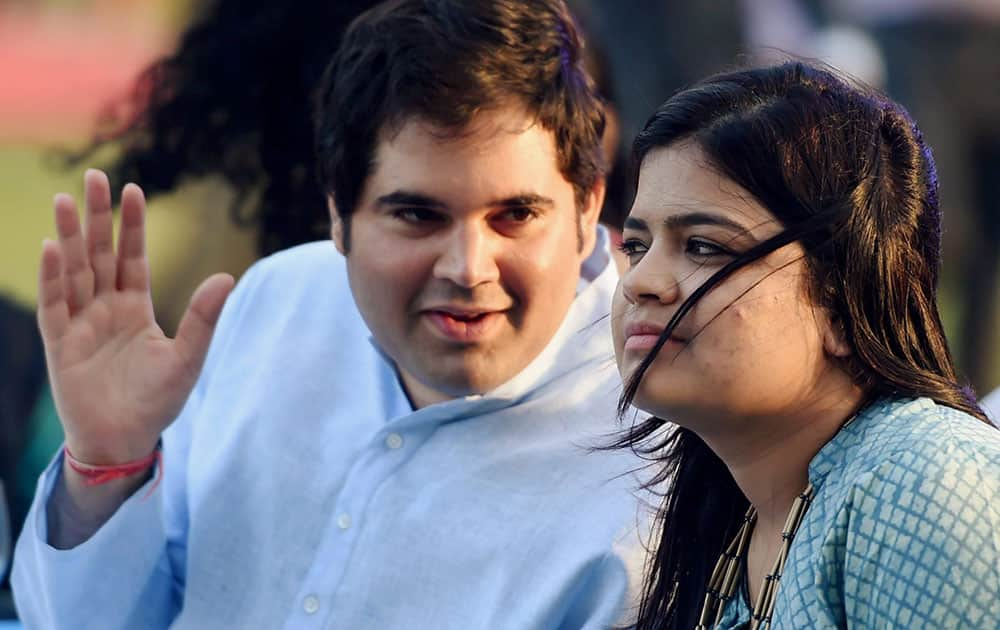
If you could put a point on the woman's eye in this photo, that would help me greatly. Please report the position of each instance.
(633, 249)
(705, 249)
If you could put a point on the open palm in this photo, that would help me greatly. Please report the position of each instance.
(117, 380)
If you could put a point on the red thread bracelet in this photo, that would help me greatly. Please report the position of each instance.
(96, 475)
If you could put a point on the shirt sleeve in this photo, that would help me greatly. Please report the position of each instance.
(923, 543)
(131, 572)
(119, 578)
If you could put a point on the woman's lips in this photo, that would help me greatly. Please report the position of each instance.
(645, 335)
(647, 342)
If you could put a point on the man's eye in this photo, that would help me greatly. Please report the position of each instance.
(705, 249)
(518, 214)
(417, 215)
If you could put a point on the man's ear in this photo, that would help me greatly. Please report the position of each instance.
(336, 226)
(834, 338)
(589, 215)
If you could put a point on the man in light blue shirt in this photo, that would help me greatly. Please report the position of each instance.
(390, 430)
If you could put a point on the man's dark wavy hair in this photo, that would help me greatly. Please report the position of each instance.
(445, 61)
(847, 174)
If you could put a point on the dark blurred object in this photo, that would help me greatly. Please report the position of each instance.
(618, 195)
(22, 366)
(6, 543)
(657, 47)
(234, 100)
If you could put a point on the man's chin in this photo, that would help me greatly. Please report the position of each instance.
(461, 382)
(462, 385)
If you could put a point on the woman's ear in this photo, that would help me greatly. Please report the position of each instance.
(835, 338)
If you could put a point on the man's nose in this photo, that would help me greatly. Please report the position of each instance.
(468, 257)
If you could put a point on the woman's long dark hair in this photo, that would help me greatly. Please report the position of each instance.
(234, 100)
(847, 174)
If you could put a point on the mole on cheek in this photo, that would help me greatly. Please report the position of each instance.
(741, 311)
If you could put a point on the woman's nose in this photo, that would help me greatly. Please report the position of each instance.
(650, 280)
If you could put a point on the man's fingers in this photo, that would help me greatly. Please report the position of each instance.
(53, 312)
(77, 274)
(133, 267)
(198, 324)
(99, 230)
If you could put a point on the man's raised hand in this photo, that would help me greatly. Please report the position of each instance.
(117, 380)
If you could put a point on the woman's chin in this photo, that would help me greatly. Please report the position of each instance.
(659, 403)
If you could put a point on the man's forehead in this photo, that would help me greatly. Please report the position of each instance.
(483, 129)
(498, 160)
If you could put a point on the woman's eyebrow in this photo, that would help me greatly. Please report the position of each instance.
(689, 219)
(632, 223)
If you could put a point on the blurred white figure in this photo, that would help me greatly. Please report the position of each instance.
(991, 405)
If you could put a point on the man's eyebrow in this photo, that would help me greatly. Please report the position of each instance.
(529, 200)
(406, 198)
(417, 200)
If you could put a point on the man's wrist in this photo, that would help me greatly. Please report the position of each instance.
(97, 474)
(77, 510)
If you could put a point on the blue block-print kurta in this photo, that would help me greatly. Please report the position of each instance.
(904, 528)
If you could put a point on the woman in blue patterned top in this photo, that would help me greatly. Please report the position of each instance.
(823, 465)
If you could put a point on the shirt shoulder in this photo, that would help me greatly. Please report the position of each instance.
(922, 444)
(302, 282)
(295, 298)
(311, 262)
(920, 521)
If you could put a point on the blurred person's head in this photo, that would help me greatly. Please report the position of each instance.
(784, 248)
(234, 100)
(460, 147)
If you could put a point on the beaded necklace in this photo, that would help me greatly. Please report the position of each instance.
(724, 578)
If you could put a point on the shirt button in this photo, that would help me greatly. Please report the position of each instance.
(394, 440)
(310, 604)
(344, 521)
